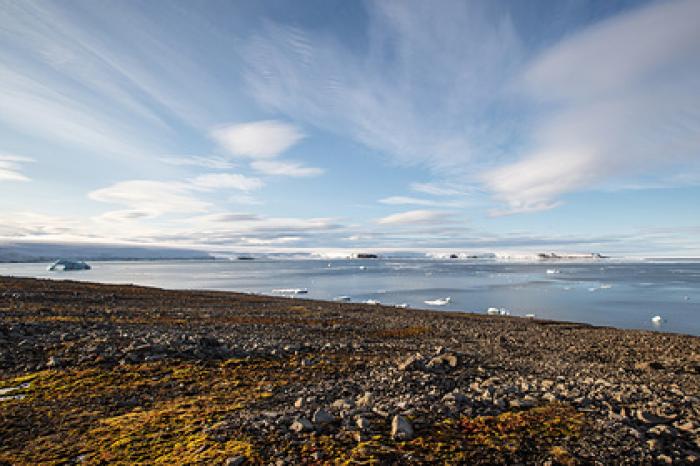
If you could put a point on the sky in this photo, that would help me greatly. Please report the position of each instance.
(569, 125)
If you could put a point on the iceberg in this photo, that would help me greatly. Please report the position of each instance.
(341, 298)
(291, 291)
(496, 311)
(64, 265)
(372, 301)
(438, 302)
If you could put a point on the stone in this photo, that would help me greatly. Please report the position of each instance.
(362, 423)
(654, 444)
(660, 430)
(301, 425)
(53, 362)
(299, 403)
(341, 404)
(235, 461)
(645, 366)
(401, 428)
(521, 403)
(687, 427)
(412, 363)
(649, 418)
(365, 400)
(664, 459)
(323, 417)
(443, 362)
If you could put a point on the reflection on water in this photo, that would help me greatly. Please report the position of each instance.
(616, 294)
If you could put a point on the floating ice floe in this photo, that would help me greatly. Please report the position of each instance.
(63, 265)
(498, 311)
(657, 320)
(401, 306)
(363, 267)
(552, 271)
(530, 316)
(342, 298)
(438, 302)
(371, 301)
(291, 291)
(605, 286)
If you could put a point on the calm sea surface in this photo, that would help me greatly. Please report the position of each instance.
(617, 294)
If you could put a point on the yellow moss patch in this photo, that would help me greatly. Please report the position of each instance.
(152, 412)
(401, 332)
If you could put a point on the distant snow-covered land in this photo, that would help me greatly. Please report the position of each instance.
(36, 252)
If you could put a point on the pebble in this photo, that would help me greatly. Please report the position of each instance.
(236, 461)
(301, 425)
(401, 428)
(322, 417)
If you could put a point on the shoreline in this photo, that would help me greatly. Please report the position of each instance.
(101, 372)
(355, 303)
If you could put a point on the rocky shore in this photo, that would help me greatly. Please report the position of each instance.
(96, 374)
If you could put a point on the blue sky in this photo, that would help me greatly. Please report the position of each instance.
(502, 126)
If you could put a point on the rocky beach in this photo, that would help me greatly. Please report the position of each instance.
(97, 374)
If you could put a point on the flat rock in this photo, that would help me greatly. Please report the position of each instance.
(401, 428)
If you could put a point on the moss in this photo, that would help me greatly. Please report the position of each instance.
(539, 432)
(401, 332)
(153, 412)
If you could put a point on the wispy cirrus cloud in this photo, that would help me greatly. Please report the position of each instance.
(457, 90)
(625, 100)
(406, 200)
(216, 163)
(418, 94)
(150, 198)
(409, 200)
(440, 189)
(11, 167)
(414, 217)
(278, 168)
(225, 181)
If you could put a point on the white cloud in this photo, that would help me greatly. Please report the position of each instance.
(10, 166)
(152, 197)
(226, 181)
(277, 168)
(259, 139)
(149, 198)
(124, 215)
(227, 217)
(404, 200)
(438, 189)
(244, 199)
(216, 163)
(418, 91)
(625, 104)
(414, 217)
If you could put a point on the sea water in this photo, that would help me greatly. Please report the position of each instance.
(615, 294)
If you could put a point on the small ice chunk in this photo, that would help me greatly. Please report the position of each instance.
(438, 302)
